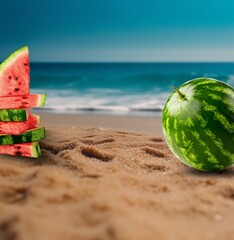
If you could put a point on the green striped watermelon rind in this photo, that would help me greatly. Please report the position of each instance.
(13, 115)
(203, 141)
(33, 135)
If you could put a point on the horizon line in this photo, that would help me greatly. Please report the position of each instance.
(131, 62)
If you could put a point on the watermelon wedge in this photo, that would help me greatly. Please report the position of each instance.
(24, 149)
(16, 128)
(26, 101)
(14, 74)
(14, 115)
(32, 135)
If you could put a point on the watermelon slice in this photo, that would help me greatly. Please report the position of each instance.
(14, 74)
(26, 101)
(23, 149)
(14, 115)
(32, 135)
(16, 128)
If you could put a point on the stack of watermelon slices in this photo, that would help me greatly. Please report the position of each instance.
(19, 134)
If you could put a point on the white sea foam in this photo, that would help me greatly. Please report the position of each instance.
(105, 100)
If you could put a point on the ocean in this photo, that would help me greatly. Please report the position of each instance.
(137, 89)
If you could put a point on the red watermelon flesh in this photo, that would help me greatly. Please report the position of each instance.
(16, 128)
(14, 74)
(24, 149)
(25, 101)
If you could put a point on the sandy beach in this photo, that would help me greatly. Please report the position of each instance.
(111, 178)
(148, 125)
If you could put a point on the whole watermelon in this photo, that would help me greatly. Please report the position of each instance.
(198, 124)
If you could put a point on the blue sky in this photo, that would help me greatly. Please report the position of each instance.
(119, 30)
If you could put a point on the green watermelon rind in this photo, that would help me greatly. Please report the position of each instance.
(13, 115)
(36, 150)
(12, 57)
(42, 100)
(33, 135)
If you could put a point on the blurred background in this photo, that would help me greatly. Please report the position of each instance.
(118, 57)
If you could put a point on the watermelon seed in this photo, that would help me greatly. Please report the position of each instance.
(18, 153)
(17, 89)
(9, 77)
(16, 78)
(18, 147)
(25, 64)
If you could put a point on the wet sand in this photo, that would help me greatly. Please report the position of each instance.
(149, 125)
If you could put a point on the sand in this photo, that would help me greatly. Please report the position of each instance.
(94, 183)
(149, 125)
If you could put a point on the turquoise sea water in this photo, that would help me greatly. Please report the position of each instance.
(139, 89)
